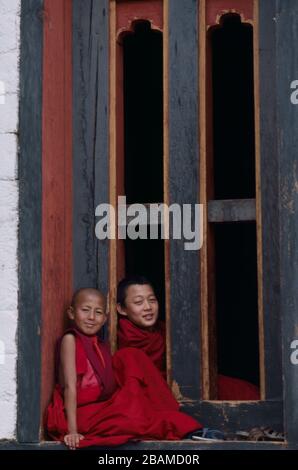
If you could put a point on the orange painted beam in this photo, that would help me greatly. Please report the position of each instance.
(56, 182)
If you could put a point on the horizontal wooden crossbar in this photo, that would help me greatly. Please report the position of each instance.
(232, 210)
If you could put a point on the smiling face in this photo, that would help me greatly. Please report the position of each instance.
(88, 312)
(141, 305)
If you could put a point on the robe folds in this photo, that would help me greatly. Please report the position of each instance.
(153, 344)
(137, 406)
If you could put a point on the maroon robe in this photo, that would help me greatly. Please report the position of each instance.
(153, 344)
(140, 406)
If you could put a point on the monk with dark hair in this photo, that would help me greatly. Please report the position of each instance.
(140, 327)
(103, 400)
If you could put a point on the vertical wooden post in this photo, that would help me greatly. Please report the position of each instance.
(113, 173)
(287, 119)
(90, 139)
(269, 201)
(101, 154)
(259, 214)
(56, 182)
(166, 183)
(184, 189)
(30, 140)
(207, 252)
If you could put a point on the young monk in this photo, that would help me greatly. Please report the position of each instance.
(139, 327)
(105, 401)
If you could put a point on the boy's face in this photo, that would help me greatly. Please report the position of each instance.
(89, 313)
(141, 305)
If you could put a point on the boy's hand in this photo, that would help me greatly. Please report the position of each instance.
(72, 440)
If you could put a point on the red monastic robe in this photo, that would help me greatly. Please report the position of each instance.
(153, 344)
(140, 406)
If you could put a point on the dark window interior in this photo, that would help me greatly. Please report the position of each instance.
(237, 300)
(143, 137)
(143, 114)
(233, 109)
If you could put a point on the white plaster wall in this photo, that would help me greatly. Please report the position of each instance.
(9, 102)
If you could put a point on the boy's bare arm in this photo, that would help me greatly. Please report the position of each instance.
(69, 376)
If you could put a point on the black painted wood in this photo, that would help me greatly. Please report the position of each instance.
(30, 144)
(287, 119)
(270, 198)
(232, 210)
(102, 140)
(236, 416)
(184, 188)
(90, 139)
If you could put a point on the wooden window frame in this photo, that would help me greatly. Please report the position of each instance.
(279, 201)
(191, 387)
(231, 210)
(240, 210)
(123, 17)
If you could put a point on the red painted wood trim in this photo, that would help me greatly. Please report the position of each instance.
(129, 11)
(216, 8)
(56, 182)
